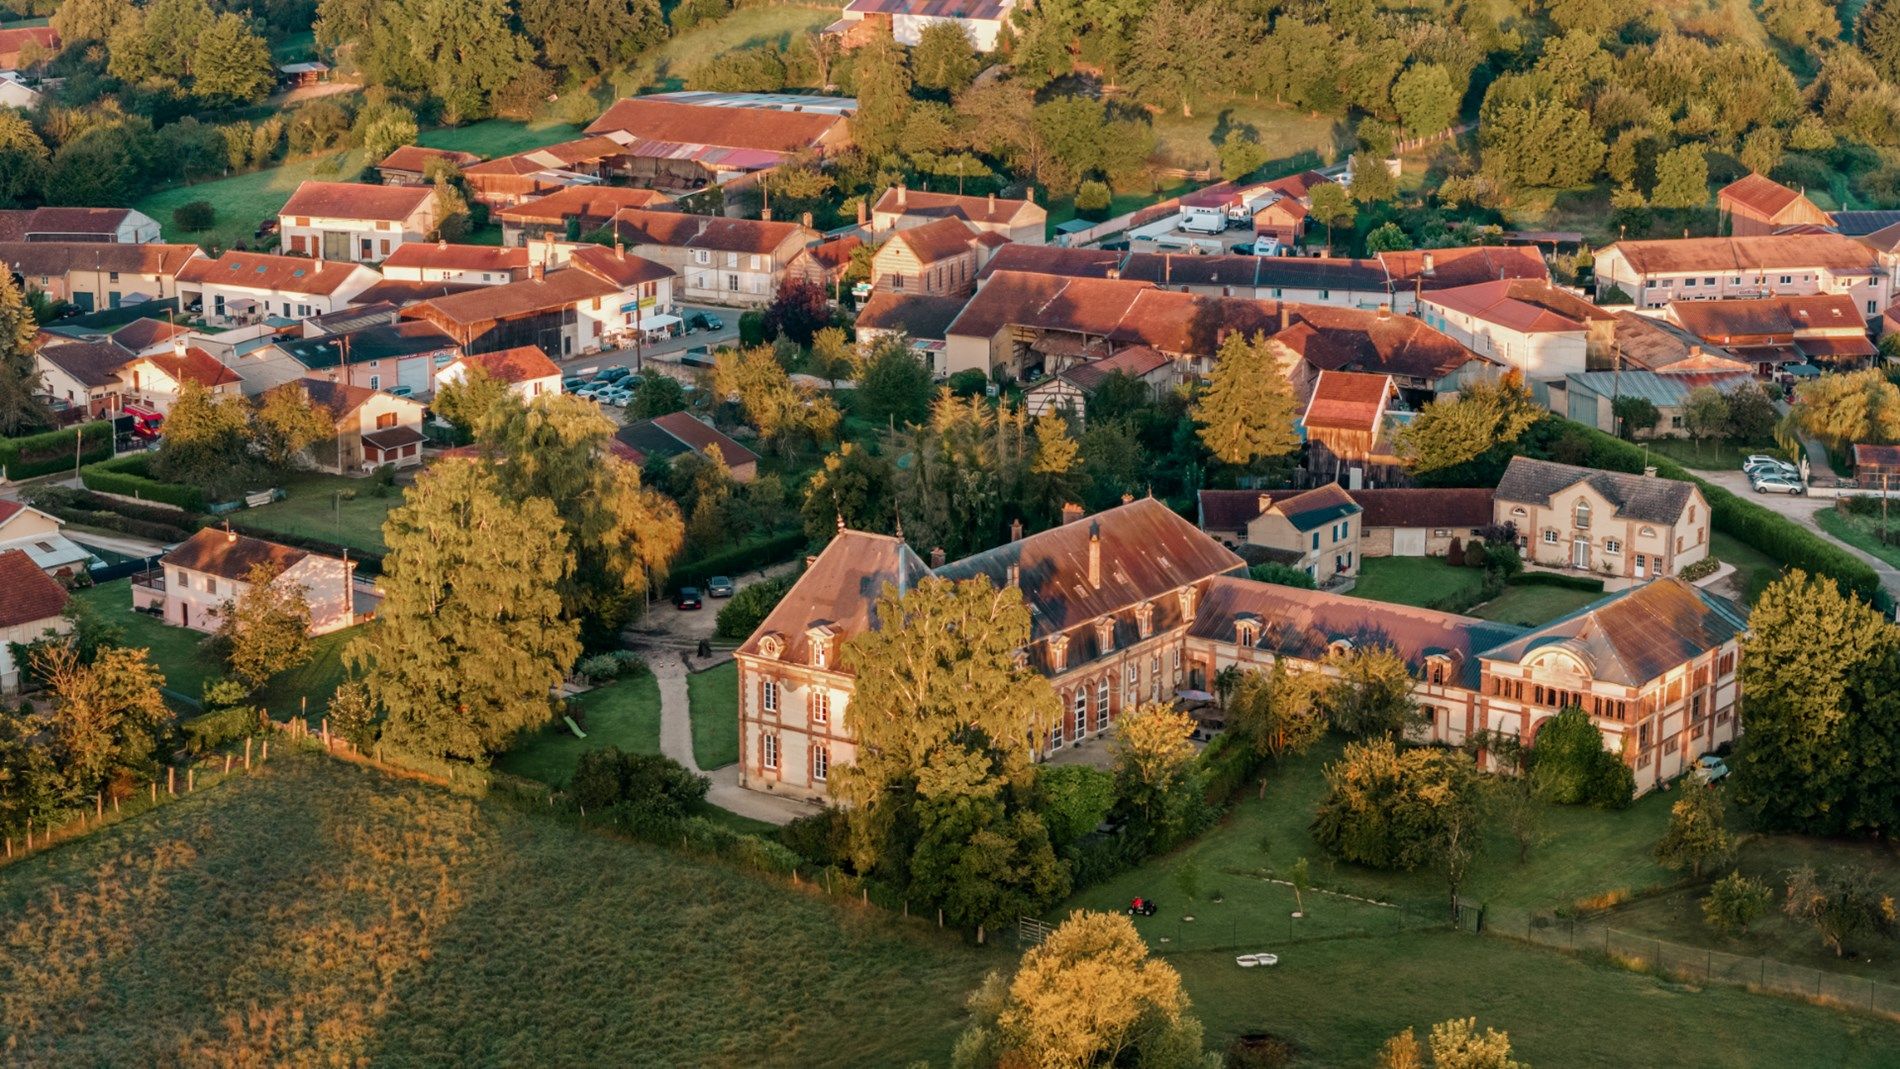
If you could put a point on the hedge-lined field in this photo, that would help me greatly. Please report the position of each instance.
(325, 913)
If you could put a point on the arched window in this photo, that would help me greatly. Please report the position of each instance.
(1581, 515)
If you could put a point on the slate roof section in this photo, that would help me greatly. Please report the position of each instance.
(341, 398)
(230, 555)
(921, 316)
(416, 158)
(93, 363)
(839, 590)
(27, 594)
(1860, 224)
(668, 436)
(1315, 508)
(523, 363)
(1147, 552)
(1636, 635)
(145, 333)
(356, 200)
(1305, 623)
(1651, 499)
(1458, 510)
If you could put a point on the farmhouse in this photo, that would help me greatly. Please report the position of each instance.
(1529, 325)
(32, 606)
(1609, 523)
(572, 212)
(1824, 329)
(899, 208)
(1393, 522)
(120, 225)
(1655, 273)
(1134, 604)
(355, 222)
(723, 261)
(940, 259)
(439, 261)
(92, 275)
(1754, 205)
(982, 21)
(214, 567)
(409, 165)
(249, 287)
(685, 140)
(370, 427)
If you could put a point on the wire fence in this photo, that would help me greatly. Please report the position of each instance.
(1692, 963)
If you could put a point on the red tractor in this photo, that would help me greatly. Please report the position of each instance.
(1141, 907)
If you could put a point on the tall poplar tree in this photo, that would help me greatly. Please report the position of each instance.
(470, 641)
(1247, 412)
(20, 383)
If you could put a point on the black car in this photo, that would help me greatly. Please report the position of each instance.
(687, 598)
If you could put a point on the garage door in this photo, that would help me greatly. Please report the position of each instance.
(1408, 541)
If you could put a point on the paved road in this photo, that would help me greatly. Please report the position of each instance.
(664, 356)
(1802, 510)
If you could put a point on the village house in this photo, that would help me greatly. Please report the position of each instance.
(352, 221)
(1608, 523)
(397, 355)
(40, 536)
(214, 567)
(250, 287)
(1754, 205)
(1347, 424)
(687, 140)
(1528, 325)
(25, 47)
(517, 179)
(111, 225)
(1282, 217)
(722, 261)
(668, 436)
(982, 21)
(898, 208)
(1393, 522)
(409, 165)
(1422, 362)
(1316, 531)
(825, 264)
(572, 213)
(439, 261)
(93, 275)
(1068, 390)
(525, 368)
(563, 312)
(1345, 283)
(921, 318)
(1826, 330)
(155, 381)
(84, 374)
(940, 259)
(1134, 605)
(370, 428)
(1655, 273)
(1876, 466)
(32, 606)
(1590, 397)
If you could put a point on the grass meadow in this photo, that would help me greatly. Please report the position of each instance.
(323, 913)
(713, 698)
(336, 508)
(624, 713)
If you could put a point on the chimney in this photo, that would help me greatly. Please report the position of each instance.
(1029, 194)
(1016, 530)
(1285, 316)
(1127, 498)
(840, 522)
(1071, 512)
(937, 557)
(1114, 273)
(765, 215)
(1095, 556)
(863, 215)
(1167, 269)
(703, 224)
(1385, 311)
(229, 535)
(534, 270)
(805, 220)
(441, 243)
(1015, 576)
(810, 560)
(1265, 502)
(903, 196)
(992, 203)
(1649, 471)
(1427, 265)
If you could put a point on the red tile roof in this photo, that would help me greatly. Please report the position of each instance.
(1528, 306)
(60, 257)
(27, 594)
(416, 158)
(442, 256)
(839, 590)
(1719, 321)
(482, 304)
(1458, 510)
(582, 202)
(937, 240)
(341, 398)
(1829, 252)
(278, 274)
(193, 365)
(1874, 458)
(1349, 339)
(996, 211)
(523, 363)
(1347, 400)
(12, 40)
(1759, 194)
(356, 200)
(690, 124)
(618, 266)
(701, 436)
(1434, 269)
(8, 509)
(640, 226)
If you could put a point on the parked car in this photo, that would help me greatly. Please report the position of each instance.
(687, 598)
(612, 374)
(719, 586)
(697, 356)
(1763, 458)
(591, 390)
(573, 383)
(1770, 466)
(1779, 484)
(1710, 768)
(705, 321)
(617, 396)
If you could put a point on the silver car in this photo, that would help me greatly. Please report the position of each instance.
(1779, 484)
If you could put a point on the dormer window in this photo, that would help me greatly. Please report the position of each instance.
(821, 638)
(1247, 629)
(772, 644)
(1437, 669)
(1058, 652)
(1187, 595)
(1145, 619)
(1339, 646)
(1105, 634)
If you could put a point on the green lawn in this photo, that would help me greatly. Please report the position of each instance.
(180, 654)
(1338, 1000)
(624, 713)
(498, 137)
(244, 200)
(1287, 134)
(1532, 605)
(323, 912)
(780, 24)
(313, 509)
(1415, 580)
(1721, 454)
(714, 700)
(1861, 532)
(1754, 570)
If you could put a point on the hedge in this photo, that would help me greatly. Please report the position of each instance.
(769, 550)
(43, 454)
(114, 514)
(212, 730)
(1568, 582)
(130, 476)
(1780, 538)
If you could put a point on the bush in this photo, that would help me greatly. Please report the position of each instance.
(125, 517)
(968, 383)
(599, 668)
(1568, 582)
(752, 327)
(130, 476)
(51, 451)
(212, 730)
(1701, 569)
(1283, 574)
(769, 550)
(824, 838)
(749, 607)
(642, 788)
(193, 216)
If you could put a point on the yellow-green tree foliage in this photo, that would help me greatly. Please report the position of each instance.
(1247, 412)
(266, 629)
(1484, 416)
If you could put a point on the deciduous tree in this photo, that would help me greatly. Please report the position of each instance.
(1370, 693)
(286, 424)
(21, 384)
(1247, 411)
(853, 486)
(1279, 711)
(786, 415)
(1154, 755)
(470, 640)
(944, 59)
(1483, 418)
(1696, 837)
(1734, 902)
(1426, 99)
(894, 386)
(1842, 903)
(105, 715)
(207, 442)
(266, 628)
(231, 64)
(1457, 1044)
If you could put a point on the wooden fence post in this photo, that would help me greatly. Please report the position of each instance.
(154, 792)
(9, 846)
(263, 753)
(99, 806)
(247, 753)
(191, 779)
(171, 780)
(115, 805)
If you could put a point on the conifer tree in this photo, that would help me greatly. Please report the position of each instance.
(1247, 411)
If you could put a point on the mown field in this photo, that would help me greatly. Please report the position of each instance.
(320, 913)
